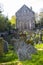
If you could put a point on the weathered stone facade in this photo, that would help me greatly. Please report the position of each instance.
(25, 18)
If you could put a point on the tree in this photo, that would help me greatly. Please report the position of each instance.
(1, 9)
(41, 21)
(41, 18)
(4, 23)
(13, 21)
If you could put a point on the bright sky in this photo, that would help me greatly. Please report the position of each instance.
(11, 6)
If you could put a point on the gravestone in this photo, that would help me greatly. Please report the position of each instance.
(3, 46)
(23, 49)
(40, 36)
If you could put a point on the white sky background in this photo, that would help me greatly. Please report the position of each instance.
(12, 6)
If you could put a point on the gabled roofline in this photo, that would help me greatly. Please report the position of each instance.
(26, 7)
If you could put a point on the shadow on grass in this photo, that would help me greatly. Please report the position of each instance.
(37, 59)
(10, 56)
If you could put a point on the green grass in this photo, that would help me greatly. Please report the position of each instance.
(37, 59)
(10, 56)
(39, 46)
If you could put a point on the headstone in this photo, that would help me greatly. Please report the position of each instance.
(23, 49)
(40, 36)
(1, 46)
(5, 46)
(23, 55)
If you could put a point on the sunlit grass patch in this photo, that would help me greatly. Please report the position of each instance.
(39, 46)
(37, 59)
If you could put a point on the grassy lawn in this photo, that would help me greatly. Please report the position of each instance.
(37, 59)
(39, 46)
(11, 58)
